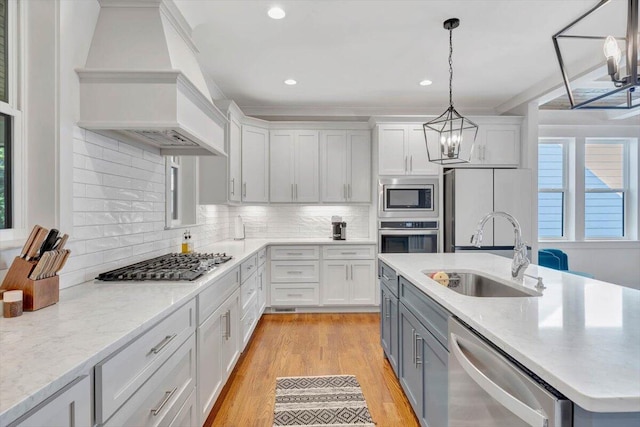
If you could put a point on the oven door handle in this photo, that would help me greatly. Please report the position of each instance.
(521, 410)
(408, 232)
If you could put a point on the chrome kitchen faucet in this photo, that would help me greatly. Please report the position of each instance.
(520, 261)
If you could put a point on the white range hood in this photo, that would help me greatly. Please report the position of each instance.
(142, 81)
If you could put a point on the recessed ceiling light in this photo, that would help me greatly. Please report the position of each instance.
(425, 82)
(290, 82)
(276, 13)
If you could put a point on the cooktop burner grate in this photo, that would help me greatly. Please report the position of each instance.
(169, 267)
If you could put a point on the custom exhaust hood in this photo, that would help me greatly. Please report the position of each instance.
(142, 82)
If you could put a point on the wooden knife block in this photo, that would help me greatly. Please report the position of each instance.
(36, 294)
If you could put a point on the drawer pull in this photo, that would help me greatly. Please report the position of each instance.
(294, 272)
(295, 253)
(249, 267)
(385, 277)
(167, 397)
(349, 253)
(162, 344)
(295, 295)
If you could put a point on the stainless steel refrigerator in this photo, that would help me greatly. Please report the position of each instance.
(469, 194)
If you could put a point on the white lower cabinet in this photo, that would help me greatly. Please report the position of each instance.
(218, 338)
(120, 375)
(71, 407)
(262, 288)
(187, 415)
(160, 399)
(348, 282)
(294, 294)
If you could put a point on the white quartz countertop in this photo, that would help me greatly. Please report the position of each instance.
(582, 336)
(42, 351)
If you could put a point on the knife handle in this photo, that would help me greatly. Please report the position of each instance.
(62, 242)
(37, 243)
(37, 272)
(29, 242)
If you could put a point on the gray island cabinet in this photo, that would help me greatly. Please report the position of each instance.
(414, 336)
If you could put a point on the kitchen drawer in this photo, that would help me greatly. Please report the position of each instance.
(210, 299)
(71, 406)
(118, 377)
(388, 277)
(348, 252)
(262, 256)
(295, 271)
(294, 294)
(248, 290)
(187, 416)
(294, 252)
(248, 267)
(249, 319)
(160, 399)
(429, 312)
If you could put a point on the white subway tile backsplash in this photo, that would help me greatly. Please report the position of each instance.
(86, 176)
(116, 157)
(88, 232)
(117, 229)
(130, 150)
(79, 190)
(103, 141)
(102, 244)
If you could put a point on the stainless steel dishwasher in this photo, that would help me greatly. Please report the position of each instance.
(486, 389)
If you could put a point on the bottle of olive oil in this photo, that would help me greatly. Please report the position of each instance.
(187, 245)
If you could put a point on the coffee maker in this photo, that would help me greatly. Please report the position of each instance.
(338, 228)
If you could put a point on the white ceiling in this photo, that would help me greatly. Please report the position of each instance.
(363, 56)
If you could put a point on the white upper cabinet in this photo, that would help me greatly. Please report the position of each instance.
(255, 164)
(346, 166)
(235, 159)
(496, 145)
(402, 150)
(294, 166)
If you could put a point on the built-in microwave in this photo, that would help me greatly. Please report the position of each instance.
(408, 197)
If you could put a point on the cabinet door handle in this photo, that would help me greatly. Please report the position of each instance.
(418, 345)
(351, 271)
(349, 190)
(296, 190)
(162, 344)
(413, 334)
(411, 163)
(167, 397)
(291, 191)
(344, 191)
(233, 186)
(405, 163)
(244, 189)
(346, 272)
(388, 316)
(228, 324)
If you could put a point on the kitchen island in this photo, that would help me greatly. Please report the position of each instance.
(581, 336)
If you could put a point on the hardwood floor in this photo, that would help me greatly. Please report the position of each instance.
(311, 344)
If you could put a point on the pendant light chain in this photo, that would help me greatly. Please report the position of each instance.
(451, 67)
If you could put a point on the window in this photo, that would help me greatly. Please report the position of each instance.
(5, 122)
(605, 188)
(181, 186)
(588, 188)
(552, 188)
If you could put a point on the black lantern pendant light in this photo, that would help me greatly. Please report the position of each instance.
(450, 136)
(623, 66)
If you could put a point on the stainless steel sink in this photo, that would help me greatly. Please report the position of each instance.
(477, 285)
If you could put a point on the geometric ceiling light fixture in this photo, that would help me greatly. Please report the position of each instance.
(450, 136)
(598, 33)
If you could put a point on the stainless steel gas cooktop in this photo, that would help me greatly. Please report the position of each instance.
(169, 267)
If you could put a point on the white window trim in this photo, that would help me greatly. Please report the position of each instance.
(14, 108)
(170, 221)
(626, 226)
(574, 217)
(565, 189)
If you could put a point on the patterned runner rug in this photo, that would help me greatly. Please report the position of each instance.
(334, 401)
